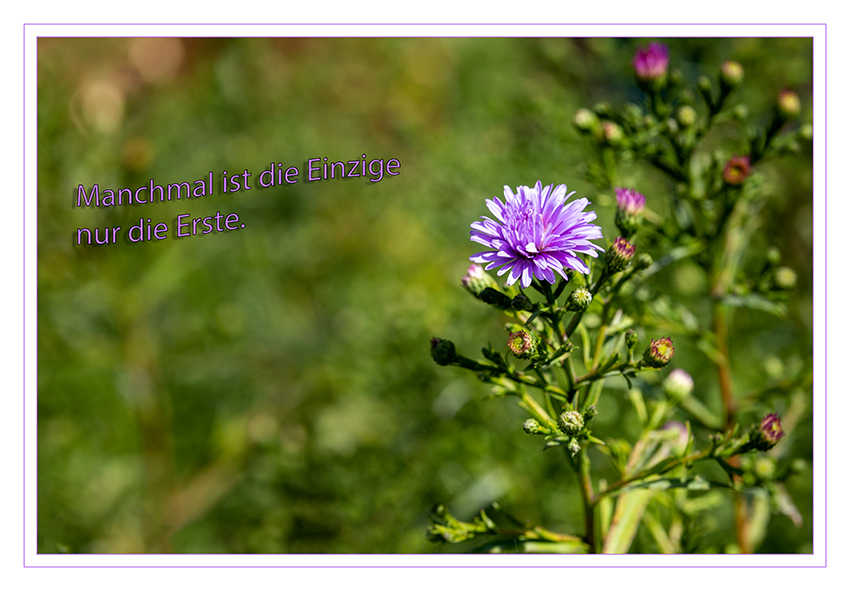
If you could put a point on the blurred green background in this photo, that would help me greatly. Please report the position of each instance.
(270, 389)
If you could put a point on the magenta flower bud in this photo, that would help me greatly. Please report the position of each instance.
(659, 353)
(651, 62)
(619, 255)
(737, 170)
(767, 433)
(477, 280)
(630, 206)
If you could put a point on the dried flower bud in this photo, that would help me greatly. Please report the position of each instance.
(571, 422)
(737, 170)
(443, 351)
(496, 298)
(659, 353)
(521, 302)
(630, 206)
(579, 299)
(619, 255)
(477, 280)
(522, 344)
(678, 385)
(531, 426)
(731, 74)
(788, 105)
(585, 120)
(767, 433)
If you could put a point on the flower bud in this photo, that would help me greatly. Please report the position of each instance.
(496, 298)
(573, 447)
(731, 74)
(571, 422)
(642, 261)
(521, 302)
(767, 433)
(785, 279)
(677, 433)
(619, 255)
(443, 351)
(740, 112)
(531, 426)
(590, 413)
(659, 353)
(612, 134)
(522, 344)
(686, 115)
(630, 206)
(631, 338)
(678, 385)
(806, 132)
(773, 255)
(704, 84)
(788, 105)
(477, 280)
(585, 120)
(650, 63)
(765, 468)
(579, 299)
(737, 170)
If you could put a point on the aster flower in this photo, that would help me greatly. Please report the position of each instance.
(536, 234)
(651, 62)
(737, 170)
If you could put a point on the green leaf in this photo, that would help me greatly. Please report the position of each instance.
(756, 302)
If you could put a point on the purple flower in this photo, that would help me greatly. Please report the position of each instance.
(651, 63)
(536, 234)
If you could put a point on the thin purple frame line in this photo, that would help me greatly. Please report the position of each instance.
(25, 295)
(825, 301)
(433, 24)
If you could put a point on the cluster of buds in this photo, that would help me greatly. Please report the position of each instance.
(571, 422)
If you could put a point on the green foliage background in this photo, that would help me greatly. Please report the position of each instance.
(270, 389)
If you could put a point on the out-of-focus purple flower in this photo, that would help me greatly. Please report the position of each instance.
(651, 62)
(737, 170)
(678, 437)
(536, 234)
(630, 206)
(678, 385)
(629, 201)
